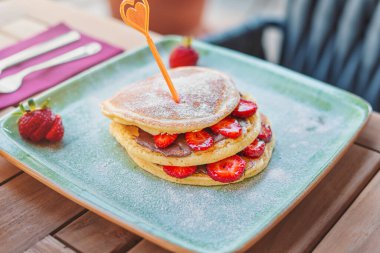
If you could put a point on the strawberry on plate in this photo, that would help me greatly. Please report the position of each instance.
(228, 127)
(36, 124)
(245, 109)
(183, 55)
(227, 170)
(265, 133)
(180, 172)
(255, 149)
(56, 131)
(164, 140)
(40, 123)
(200, 140)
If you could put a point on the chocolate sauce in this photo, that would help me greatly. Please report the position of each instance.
(202, 169)
(178, 148)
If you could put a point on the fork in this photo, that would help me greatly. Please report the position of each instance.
(12, 83)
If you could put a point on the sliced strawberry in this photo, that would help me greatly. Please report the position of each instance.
(47, 121)
(22, 125)
(228, 127)
(255, 149)
(227, 170)
(200, 140)
(245, 109)
(180, 172)
(164, 140)
(38, 123)
(30, 122)
(56, 132)
(265, 133)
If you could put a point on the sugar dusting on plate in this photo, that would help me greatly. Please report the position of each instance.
(202, 218)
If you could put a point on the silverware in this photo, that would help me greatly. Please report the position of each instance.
(12, 83)
(39, 49)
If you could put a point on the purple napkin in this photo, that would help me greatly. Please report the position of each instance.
(44, 79)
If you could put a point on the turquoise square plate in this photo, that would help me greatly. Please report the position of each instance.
(314, 124)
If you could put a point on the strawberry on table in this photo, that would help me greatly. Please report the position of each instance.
(265, 133)
(228, 127)
(183, 55)
(245, 109)
(163, 140)
(180, 172)
(255, 149)
(39, 123)
(200, 140)
(227, 170)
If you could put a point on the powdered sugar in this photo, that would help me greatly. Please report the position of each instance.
(204, 95)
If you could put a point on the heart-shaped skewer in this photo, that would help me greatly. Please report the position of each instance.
(136, 15)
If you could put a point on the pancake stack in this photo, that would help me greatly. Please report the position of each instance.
(214, 136)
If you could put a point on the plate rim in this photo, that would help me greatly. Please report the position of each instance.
(240, 245)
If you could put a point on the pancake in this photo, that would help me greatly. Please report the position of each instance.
(207, 96)
(253, 167)
(126, 136)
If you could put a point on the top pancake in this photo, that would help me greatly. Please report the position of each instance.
(206, 95)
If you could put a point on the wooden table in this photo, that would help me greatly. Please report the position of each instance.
(342, 214)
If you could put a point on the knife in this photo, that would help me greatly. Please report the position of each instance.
(13, 82)
(39, 49)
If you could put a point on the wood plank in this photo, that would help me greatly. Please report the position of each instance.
(359, 228)
(48, 245)
(30, 211)
(147, 247)
(7, 170)
(304, 227)
(109, 30)
(23, 28)
(370, 137)
(91, 233)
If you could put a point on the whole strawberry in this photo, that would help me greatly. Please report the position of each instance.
(184, 55)
(40, 123)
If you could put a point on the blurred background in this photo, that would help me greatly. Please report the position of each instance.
(213, 15)
(335, 41)
(200, 18)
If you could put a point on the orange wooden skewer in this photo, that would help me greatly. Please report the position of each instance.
(137, 16)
